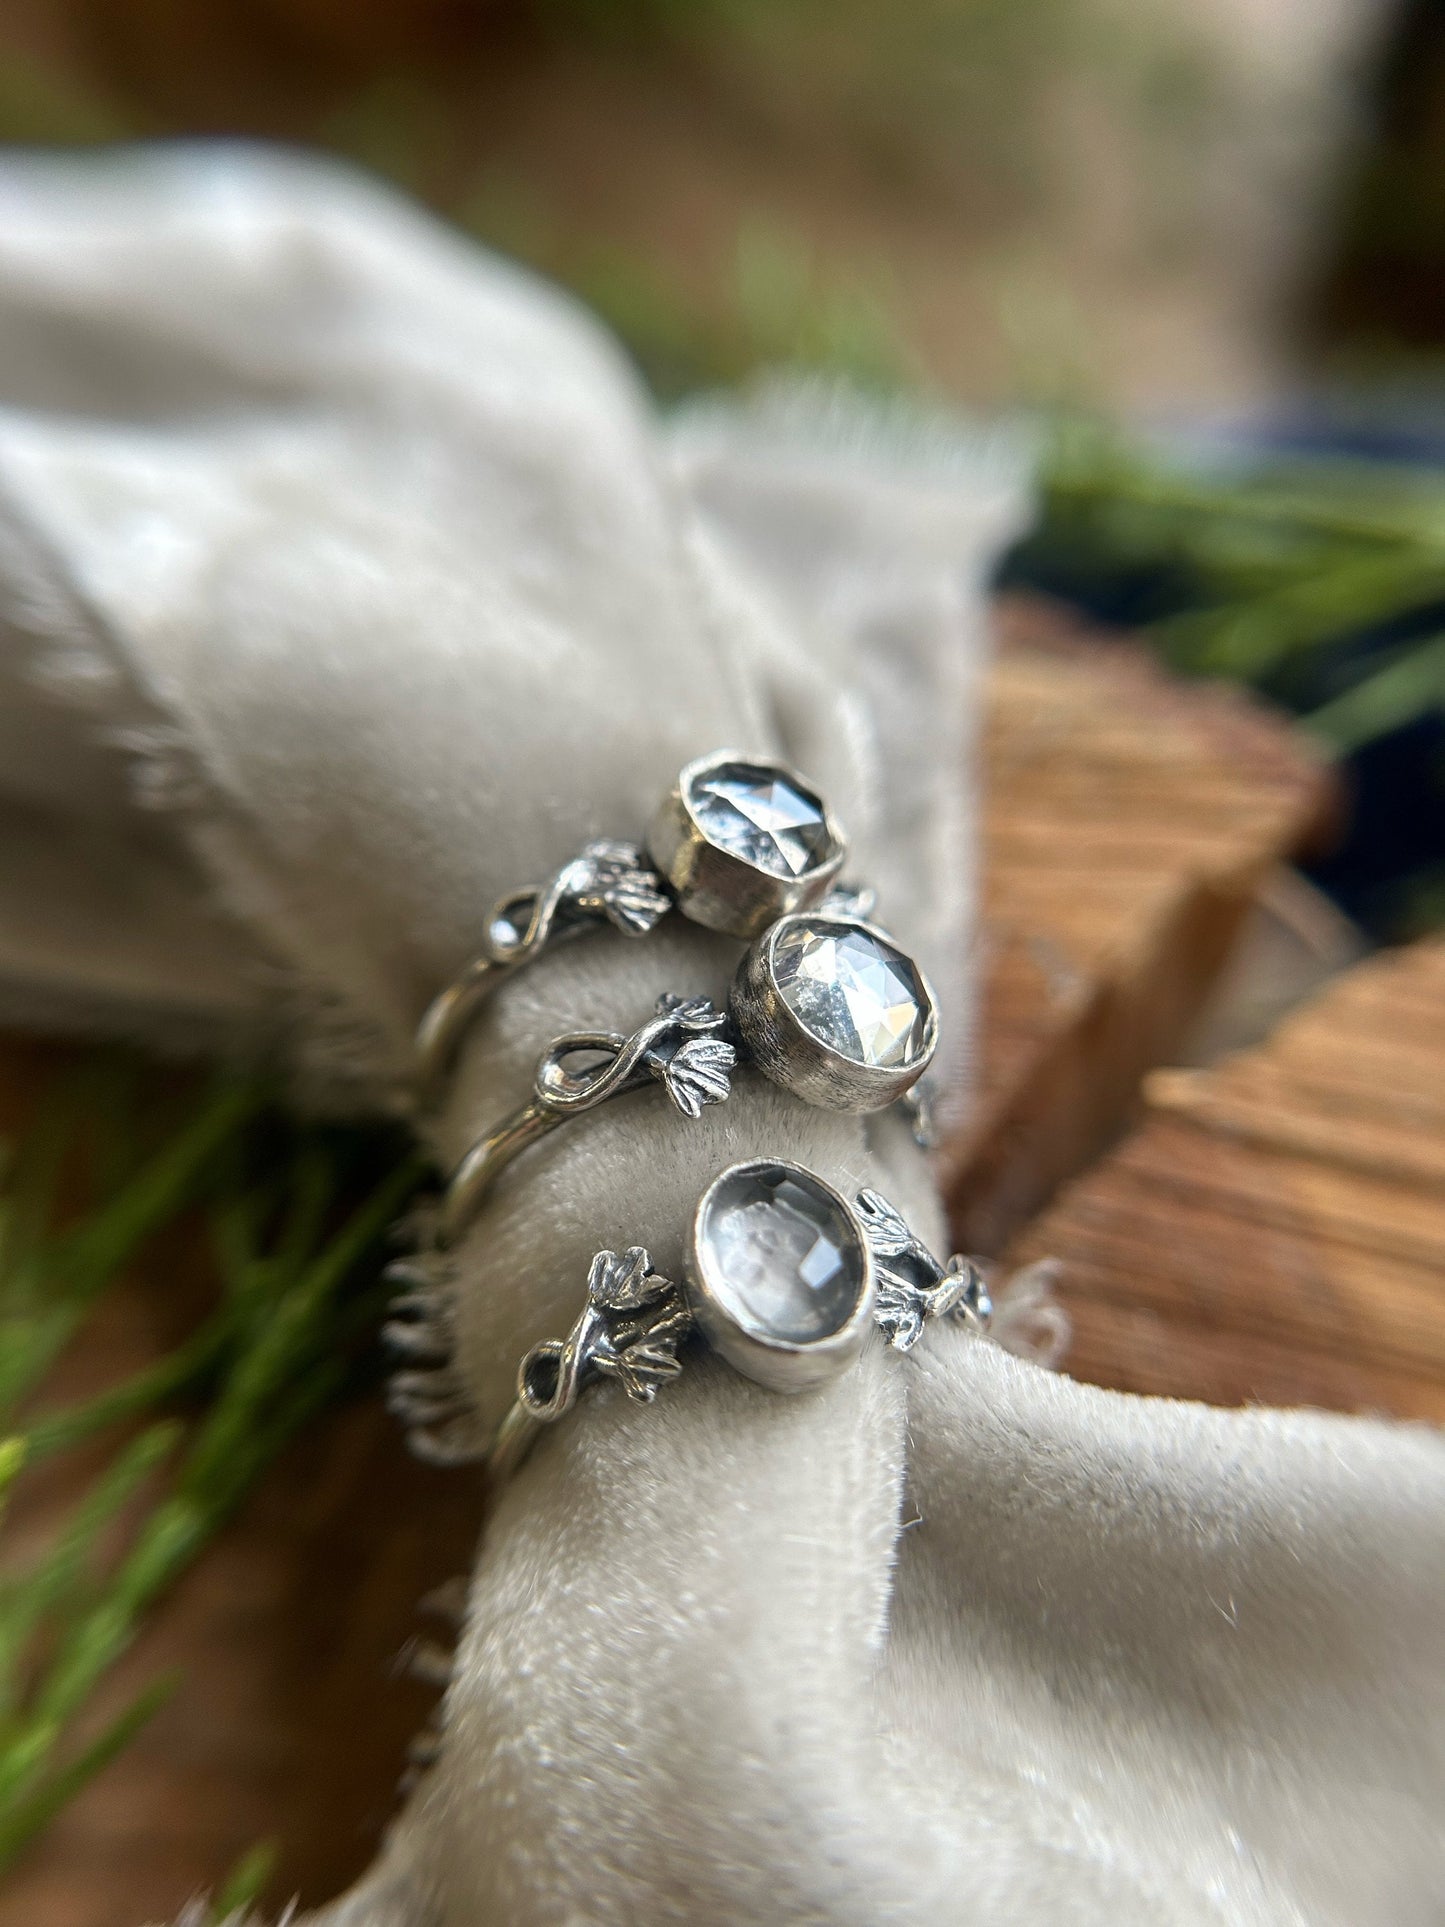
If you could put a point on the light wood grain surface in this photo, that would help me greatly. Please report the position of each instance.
(1128, 821)
(1274, 1228)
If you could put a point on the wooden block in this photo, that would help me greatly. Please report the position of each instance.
(1129, 819)
(1275, 1228)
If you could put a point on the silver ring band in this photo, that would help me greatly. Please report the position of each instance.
(827, 1007)
(737, 843)
(681, 1047)
(755, 1289)
(609, 883)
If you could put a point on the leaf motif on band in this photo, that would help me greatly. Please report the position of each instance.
(912, 1286)
(645, 1356)
(634, 906)
(631, 1328)
(886, 1227)
(899, 1315)
(691, 1013)
(624, 1281)
(699, 1072)
(611, 879)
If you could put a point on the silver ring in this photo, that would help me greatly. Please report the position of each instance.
(828, 1008)
(738, 842)
(782, 1277)
(682, 1047)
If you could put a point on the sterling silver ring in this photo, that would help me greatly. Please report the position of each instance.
(782, 1277)
(682, 1047)
(827, 1007)
(738, 842)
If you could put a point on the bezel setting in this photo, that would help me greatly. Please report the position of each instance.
(793, 1055)
(716, 886)
(769, 1356)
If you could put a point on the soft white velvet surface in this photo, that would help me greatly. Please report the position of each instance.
(358, 556)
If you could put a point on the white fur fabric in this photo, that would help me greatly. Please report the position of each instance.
(358, 556)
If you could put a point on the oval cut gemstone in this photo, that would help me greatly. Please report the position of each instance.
(755, 812)
(854, 992)
(780, 1254)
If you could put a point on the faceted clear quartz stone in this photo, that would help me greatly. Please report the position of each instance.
(854, 992)
(755, 812)
(780, 1254)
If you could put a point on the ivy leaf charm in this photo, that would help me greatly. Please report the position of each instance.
(691, 1013)
(912, 1285)
(649, 1358)
(699, 1072)
(887, 1231)
(634, 907)
(899, 1315)
(619, 886)
(624, 1281)
(634, 1321)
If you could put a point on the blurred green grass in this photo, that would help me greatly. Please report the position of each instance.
(296, 1218)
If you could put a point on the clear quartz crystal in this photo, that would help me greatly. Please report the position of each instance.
(854, 992)
(781, 1256)
(755, 813)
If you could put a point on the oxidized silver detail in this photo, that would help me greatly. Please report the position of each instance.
(635, 1320)
(630, 1329)
(680, 1047)
(776, 861)
(610, 883)
(912, 1285)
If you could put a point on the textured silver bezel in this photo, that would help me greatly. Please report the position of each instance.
(783, 1365)
(786, 1051)
(716, 887)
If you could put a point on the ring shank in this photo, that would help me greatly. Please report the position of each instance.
(484, 1163)
(516, 1435)
(446, 1018)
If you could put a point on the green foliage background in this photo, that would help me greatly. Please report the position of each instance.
(294, 1326)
